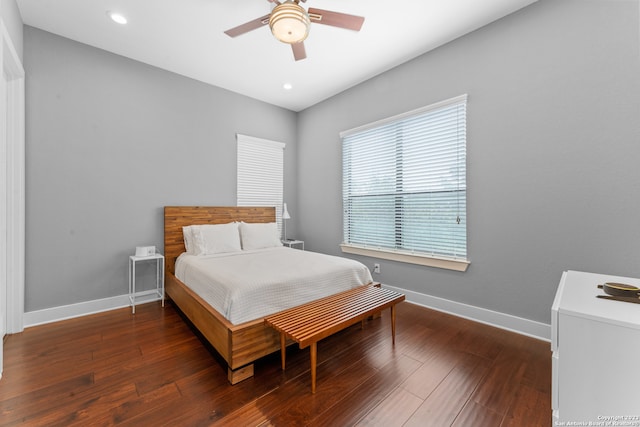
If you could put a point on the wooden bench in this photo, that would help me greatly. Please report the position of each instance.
(309, 323)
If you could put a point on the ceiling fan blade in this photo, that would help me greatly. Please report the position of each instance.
(336, 19)
(248, 26)
(299, 52)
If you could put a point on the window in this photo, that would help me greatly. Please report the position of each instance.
(260, 173)
(404, 187)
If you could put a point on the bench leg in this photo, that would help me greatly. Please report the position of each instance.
(283, 349)
(314, 357)
(393, 324)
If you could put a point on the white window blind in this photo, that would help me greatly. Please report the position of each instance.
(260, 173)
(404, 183)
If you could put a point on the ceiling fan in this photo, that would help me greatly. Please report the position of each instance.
(289, 23)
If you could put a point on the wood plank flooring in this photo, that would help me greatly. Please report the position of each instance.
(152, 368)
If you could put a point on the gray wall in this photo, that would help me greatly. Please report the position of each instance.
(553, 149)
(553, 143)
(109, 142)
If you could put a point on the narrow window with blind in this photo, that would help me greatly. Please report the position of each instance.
(260, 173)
(404, 187)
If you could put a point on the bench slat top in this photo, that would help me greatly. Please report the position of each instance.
(318, 319)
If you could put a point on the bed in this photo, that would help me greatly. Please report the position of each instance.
(240, 342)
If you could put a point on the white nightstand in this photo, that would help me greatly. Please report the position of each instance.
(294, 243)
(159, 290)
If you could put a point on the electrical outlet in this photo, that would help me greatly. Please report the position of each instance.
(376, 268)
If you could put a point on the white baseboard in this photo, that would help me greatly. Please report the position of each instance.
(55, 314)
(541, 331)
(516, 324)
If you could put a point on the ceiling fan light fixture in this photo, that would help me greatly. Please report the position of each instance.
(289, 22)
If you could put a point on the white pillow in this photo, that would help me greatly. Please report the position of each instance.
(189, 240)
(259, 235)
(217, 238)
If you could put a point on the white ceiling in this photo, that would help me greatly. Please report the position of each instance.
(186, 37)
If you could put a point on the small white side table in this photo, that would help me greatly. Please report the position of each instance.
(159, 290)
(293, 243)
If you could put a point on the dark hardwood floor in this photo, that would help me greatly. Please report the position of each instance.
(151, 368)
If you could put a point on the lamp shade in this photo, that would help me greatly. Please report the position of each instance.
(285, 212)
(289, 22)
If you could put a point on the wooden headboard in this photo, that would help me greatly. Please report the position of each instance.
(176, 217)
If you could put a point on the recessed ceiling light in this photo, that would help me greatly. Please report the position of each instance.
(116, 17)
(287, 86)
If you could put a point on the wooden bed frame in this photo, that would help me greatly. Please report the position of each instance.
(239, 345)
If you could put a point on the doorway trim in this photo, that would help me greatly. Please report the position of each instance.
(15, 140)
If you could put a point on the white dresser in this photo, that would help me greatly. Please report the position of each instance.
(596, 354)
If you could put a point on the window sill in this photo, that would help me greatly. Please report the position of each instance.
(429, 261)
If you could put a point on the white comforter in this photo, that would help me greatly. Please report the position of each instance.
(247, 285)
